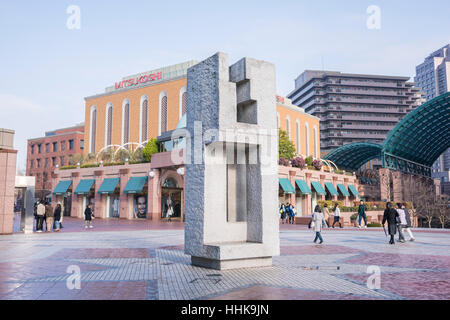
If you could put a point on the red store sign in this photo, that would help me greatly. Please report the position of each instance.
(139, 80)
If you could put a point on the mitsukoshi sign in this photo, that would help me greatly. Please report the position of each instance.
(139, 80)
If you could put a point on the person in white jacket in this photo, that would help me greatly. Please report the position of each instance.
(317, 218)
(337, 215)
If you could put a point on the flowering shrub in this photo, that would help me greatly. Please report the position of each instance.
(317, 164)
(283, 162)
(298, 162)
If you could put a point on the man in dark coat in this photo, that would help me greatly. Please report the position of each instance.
(390, 215)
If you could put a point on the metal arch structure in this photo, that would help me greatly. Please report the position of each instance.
(352, 156)
(414, 144)
(420, 138)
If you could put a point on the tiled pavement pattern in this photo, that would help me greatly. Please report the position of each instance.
(149, 263)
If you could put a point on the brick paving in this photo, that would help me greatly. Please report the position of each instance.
(138, 260)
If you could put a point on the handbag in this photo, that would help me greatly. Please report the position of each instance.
(313, 224)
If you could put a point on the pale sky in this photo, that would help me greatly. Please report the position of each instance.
(47, 69)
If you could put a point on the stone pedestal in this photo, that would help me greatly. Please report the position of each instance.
(231, 170)
(7, 181)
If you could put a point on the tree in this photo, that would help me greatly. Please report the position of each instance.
(442, 211)
(150, 148)
(286, 148)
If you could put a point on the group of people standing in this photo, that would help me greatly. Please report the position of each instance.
(45, 214)
(288, 213)
(397, 219)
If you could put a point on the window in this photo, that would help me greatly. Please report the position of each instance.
(63, 145)
(32, 149)
(54, 161)
(45, 176)
(109, 124)
(125, 122)
(71, 145)
(39, 148)
(38, 177)
(81, 144)
(62, 162)
(46, 163)
(315, 143)
(55, 146)
(144, 119)
(307, 139)
(288, 127)
(93, 133)
(183, 102)
(31, 164)
(163, 109)
(297, 136)
(38, 163)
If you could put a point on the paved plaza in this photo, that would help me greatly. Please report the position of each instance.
(139, 260)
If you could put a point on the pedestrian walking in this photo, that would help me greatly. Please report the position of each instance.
(406, 223)
(57, 217)
(282, 213)
(318, 220)
(288, 210)
(326, 214)
(362, 214)
(40, 213)
(294, 213)
(390, 215)
(48, 216)
(88, 217)
(337, 215)
(400, 221)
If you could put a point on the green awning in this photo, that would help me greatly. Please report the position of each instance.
(108, 186)
(331, 189)
(301, 184)
(353, 190)
(84, 186)
(62, 187)
(135, 185)
(286, 185)
(343, 190)
(318, 187)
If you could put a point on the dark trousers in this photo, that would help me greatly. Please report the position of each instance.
(336, 219)
(318, 236)
(39, 223)
(362, 216)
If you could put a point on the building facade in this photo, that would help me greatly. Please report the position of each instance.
(46, 153)
(137, 108)
(433, 76)
(130, 114)
(354, 107)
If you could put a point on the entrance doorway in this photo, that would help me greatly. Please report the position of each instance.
(171, 204)
(113, 206)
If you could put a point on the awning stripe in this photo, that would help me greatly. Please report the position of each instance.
(303, 186)
(286, 185)
(318, 187)
(343, 190)
(135, 185)
(62, 187)
(353, 190)
(84, 186)
(108, 186)
(331, 189)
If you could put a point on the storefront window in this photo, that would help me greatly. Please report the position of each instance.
(170, 200)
